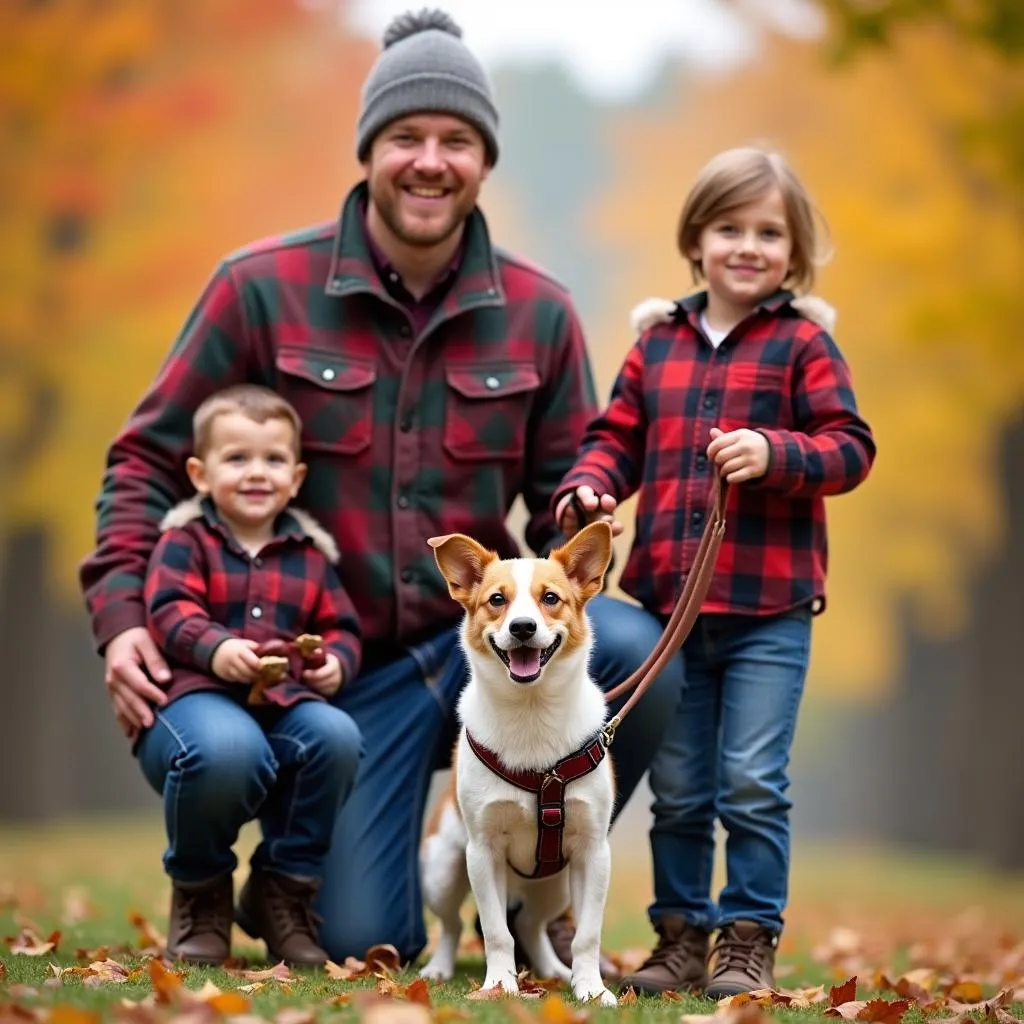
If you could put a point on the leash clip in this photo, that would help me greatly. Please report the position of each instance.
(608, 732)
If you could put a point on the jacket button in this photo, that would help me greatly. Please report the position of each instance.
(403, 501)
(491, 383)
(407, 575)
(709, 401)
(328, 374)
(257, 612)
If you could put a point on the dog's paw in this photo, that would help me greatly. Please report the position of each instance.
(434, 970)
(507, 981)
(601, 995)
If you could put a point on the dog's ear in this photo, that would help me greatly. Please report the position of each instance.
(586, 556)
(462, 562)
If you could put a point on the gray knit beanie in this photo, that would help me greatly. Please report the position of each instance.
(425, 66)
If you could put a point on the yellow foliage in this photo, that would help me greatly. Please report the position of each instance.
(927, 284)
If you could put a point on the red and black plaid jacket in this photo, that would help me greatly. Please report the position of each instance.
(203, 588)
(778, 373)
(407, 434)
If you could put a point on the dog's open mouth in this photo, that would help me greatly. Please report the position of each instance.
(524, 663)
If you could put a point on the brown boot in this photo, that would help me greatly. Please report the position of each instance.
(744, 960)
(199, 930)
(279, 910)
(678, 962)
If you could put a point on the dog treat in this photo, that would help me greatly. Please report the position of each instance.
(310, 646)
(273, 668)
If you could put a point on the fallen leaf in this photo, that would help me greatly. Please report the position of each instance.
(28, 943)
(628, 998)
(418, 991)
(166, 983)
(487, 994)
(22, 992)
(447, 1014)
(62, 1013)
(295, 1015)
(848, 1011)
(391, 1012)
(554, 1011)
(149, 937)
(845, 993)
(348, 971)
(279, 972)
(383, 956)
(884, 1011)
(965, 992)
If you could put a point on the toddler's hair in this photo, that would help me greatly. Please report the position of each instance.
(743, 175)
(258, 403)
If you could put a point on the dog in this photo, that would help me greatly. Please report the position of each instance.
(510, 823)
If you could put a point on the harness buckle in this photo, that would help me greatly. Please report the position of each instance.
(608, 732)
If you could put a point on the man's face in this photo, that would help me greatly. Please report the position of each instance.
(424, 174)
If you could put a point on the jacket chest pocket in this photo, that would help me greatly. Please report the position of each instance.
(334, 397)
(756, 396)
(486, 409)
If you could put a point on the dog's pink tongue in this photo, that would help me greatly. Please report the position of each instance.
(524, 661)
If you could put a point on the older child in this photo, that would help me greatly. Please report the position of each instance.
(236, 567)
(737, 379)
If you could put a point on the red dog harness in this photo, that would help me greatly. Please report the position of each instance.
(550, 789)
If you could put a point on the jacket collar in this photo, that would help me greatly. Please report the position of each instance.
(352, 271)
(293, 524)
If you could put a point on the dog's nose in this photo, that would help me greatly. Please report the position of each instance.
(522, 629)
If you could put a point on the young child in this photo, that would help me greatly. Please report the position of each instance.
(737, 379)
(235, 567)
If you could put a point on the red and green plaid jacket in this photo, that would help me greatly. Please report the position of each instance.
(203, 588)
(406, 435)
(778, 373)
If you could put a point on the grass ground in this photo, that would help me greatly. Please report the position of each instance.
(953, 929)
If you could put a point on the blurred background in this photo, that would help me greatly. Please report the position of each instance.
(140, 140)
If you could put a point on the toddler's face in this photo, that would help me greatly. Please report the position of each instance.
(250, 469)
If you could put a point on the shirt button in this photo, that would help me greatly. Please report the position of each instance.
(491, 383)
(257, 612)
(407, 575)
(328, 374)
(403, 501)
(405, 330)
(696, 517)
(258, 562)
(709, 402)
(406, 425)
(702, 460)
(393, 276)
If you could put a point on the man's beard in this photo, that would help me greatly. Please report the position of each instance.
(435, 234)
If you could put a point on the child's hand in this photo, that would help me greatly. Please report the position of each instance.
(740, 455)
(235, 661)
(325, 680)
(567, 520)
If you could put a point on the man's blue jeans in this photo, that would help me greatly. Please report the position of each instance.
(726, 755)
(371, 889)
(217, 765)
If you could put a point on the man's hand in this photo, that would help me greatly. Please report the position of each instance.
(740, 455)
(325, 680)
(131, 691)
(596, 508)
(235, 661)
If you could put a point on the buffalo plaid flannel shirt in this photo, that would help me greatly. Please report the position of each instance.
(407, 434)
(778, 373)
(203, 588)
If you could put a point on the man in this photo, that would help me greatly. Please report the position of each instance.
(437, 378)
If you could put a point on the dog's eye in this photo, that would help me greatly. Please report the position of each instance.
(550, 598)
(496, 600)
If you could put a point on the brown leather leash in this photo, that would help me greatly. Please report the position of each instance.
(683, 615)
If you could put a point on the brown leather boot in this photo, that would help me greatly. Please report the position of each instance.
(743, 960)
(279, 910)
(199, 930)
(677, 964)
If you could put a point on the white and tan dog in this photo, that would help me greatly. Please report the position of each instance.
(529, 707)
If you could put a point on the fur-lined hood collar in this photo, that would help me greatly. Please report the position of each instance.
(650, 312)
(293, 522)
